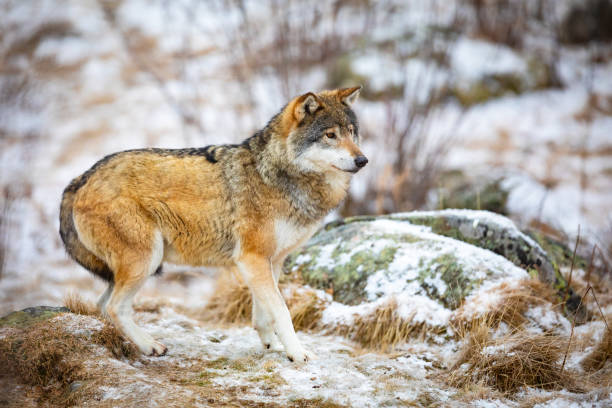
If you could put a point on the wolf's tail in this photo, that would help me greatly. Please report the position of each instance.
(74, 246)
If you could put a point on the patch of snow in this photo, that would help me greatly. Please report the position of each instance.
(490, 403)
(548, 319)
(498, 349)
(473, 59)
(411, 307)
(566, 403)
(410, 258)
(324, 258)
(422, 309)
(79, 325)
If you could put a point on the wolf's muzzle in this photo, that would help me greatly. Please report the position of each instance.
(361, 161)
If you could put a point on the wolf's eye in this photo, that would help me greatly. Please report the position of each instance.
(330, 135)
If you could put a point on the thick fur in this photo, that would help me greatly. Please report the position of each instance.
(244, 206)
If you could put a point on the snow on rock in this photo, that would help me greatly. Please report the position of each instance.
(368, 262)
(490, 231)
(372, 258)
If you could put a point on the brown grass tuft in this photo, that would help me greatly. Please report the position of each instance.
(602, 353)
(231, 302)
(109, 336)
(114, 341)
(306, 309)
(510, 362)
(381, 330)
(41, 354)
(77, 305)
(515, 301)
(385, 328)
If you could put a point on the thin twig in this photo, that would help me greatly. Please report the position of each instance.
(600, 310)
(569, 282)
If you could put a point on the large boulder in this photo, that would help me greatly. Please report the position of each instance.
(444, 255)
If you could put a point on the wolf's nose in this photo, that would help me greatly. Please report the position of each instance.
(361, 161)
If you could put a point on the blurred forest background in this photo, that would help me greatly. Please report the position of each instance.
(500, 105)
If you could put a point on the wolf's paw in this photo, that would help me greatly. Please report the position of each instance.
(301, 356)
(274, 345)
(155, 349)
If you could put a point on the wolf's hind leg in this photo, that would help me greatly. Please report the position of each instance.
(129, 243)
(104, 299)
(120, 311)
(265, 328)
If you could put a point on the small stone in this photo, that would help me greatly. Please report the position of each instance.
(75, 386)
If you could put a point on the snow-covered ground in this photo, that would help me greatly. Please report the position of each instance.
(229, 365)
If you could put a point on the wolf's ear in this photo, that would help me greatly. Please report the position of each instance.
(348, 96)
(306, 104)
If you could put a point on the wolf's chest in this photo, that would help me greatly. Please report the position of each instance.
(290, 236)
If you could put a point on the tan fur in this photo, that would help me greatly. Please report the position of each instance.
(224, 206)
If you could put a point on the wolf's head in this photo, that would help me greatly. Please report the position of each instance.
(323, 133)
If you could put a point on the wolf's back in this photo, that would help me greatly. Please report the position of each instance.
(74, 246)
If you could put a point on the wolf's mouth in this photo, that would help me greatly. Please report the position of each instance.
(346, 171)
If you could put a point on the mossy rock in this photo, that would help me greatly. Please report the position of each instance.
(538, 75)
(489, 231)
(450, 271)
(27, 317)
(489, 87)
(363, 259)
(560, 254)
(352, 260)
(458, 192)
(561, 257)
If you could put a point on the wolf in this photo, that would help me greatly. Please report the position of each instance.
(243, 206)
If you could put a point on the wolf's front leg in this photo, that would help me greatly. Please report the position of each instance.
(257, 273)
(265, 328)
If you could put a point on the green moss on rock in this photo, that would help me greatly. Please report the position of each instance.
(490, 196)
(490, 87)
(351, 261)
(458, 283)
(409, 249)
(509, 243)
(29, 316)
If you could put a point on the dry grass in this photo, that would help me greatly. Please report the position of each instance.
(515, 301)
(42, 353)
(381, 330)
(517, 359)
(77, 305)
(510, 362)
(109, 336)
(603, 352)
(114, 341)
(384, 329)
(231, 302)
(50, 356)
(477, 391)
(306, 309)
